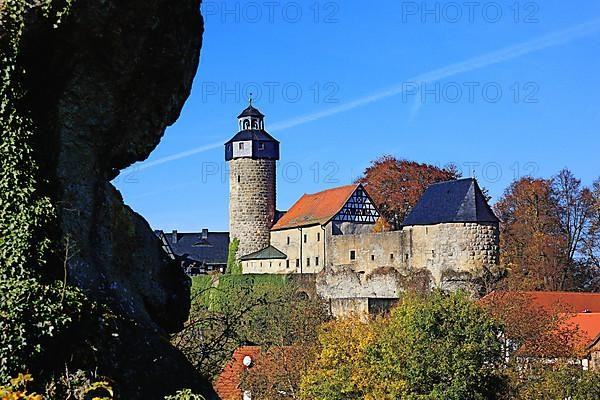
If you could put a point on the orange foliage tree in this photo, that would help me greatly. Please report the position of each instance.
(529, 330)
(396, 185)
(547, 229)
(532, 245)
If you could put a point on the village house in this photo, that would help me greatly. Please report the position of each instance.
(576, 312)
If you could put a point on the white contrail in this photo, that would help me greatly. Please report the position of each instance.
(492, 58)
(178, 156)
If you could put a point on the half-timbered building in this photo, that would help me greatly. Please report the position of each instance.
(303, 234)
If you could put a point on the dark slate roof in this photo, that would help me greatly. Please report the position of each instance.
(251, 112)
(268, 253)
(453, 201)
(211, 250)
(253, 134)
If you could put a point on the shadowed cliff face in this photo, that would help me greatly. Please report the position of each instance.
(102, 89)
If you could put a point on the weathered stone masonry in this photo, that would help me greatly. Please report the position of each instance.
(251, 202)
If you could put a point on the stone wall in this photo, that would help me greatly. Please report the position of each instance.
(453, 252)
(371, 251)
(251, 203)
(344, 282)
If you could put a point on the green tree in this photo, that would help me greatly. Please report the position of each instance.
(434, 346)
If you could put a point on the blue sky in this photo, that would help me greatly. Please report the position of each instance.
(501, 89)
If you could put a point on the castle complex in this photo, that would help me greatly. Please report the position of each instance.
(451, 234)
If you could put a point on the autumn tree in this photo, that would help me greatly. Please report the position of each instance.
(342, 370)
(530, 330)
(547, 229)
(591, 243)
(531, 242)
(396, 185)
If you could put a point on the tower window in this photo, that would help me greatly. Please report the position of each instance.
(297, 263)
(392, 256)
(316, 260)
(239, 178)
(288, 240)
(352, 255)
(372, 257)
(308, 261)
(305, 238)
(318, 236)
(287, 263)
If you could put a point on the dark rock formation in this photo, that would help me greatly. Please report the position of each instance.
(102, 89)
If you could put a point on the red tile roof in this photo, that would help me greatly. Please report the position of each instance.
(317, 208)
(558, 301)
(581, 310)
(588, 326)
(227, 384)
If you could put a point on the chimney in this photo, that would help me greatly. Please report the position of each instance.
(174, 236)
(204, 234)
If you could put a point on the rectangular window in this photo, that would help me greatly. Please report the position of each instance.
(287, 263)
(318, 236)
(288, 240)
(261, 146)
(372, 257)
(305, 238)
(308, 261)
(406, 256)
(432, 253)
(352, 255)
(392, 256)
(316, 260)
(297, 263)
(241, 146)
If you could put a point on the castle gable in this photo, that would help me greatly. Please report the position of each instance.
(345, 204)
(453, 201)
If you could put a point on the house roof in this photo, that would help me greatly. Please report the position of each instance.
(268, 253)
(453, 201)
(317, 208)
(588, 325)
(557, 301)
(210, 248)
(227, 384)
(254, 135)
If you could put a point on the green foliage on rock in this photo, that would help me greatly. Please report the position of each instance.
(31, 310)
(234, 267)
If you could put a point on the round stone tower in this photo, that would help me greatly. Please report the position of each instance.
(251, 154)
